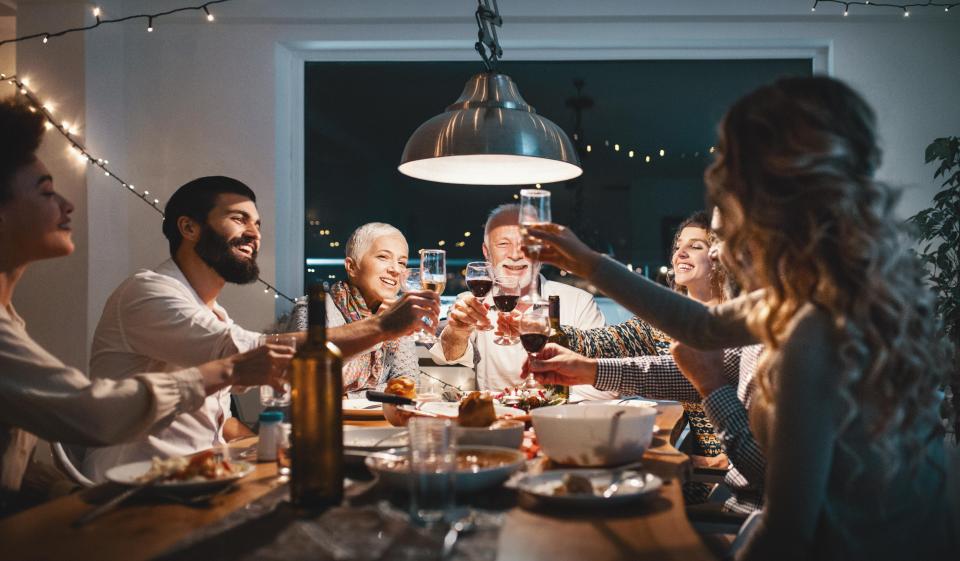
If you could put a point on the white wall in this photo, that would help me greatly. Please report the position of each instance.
(194, 98)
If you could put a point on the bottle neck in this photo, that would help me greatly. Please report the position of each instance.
(317, 317)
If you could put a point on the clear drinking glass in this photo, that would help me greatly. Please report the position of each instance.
(268, 396)
(433, 461)
(412, 282)
(534, 210)
(506, 296)
(534, 331)
(480, 282)
(433, 276)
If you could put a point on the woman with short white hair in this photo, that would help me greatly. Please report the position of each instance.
(376, 258)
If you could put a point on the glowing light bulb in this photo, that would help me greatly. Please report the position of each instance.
(96, 11)
(616, 147)
(209, 15)
(630, 154)
(663, 152)
(466, 234)
(646, 159)
(46, 39)
(589, 148)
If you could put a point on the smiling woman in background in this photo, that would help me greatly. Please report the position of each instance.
(376, 260)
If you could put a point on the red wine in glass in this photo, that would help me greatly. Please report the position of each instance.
(506, 302)
(533, 342)
(480, 287)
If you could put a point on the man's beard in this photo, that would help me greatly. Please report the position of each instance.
(217, 252)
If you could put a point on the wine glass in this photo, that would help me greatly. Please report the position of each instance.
(506, 295)
(534, 332)
(412, 282)
(534, 211)
(433, 275)
(480, 282)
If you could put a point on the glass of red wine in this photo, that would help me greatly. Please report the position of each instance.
(534, 331)
(506, 295)
(480, 283)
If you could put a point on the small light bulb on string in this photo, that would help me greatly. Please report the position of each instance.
(46, 39)
(616, 147)
(150, 25)
(209, 15)
(646, 159)
(266, 290)
(145, 193)
(156, 201)
(712, 149)
(630, 154)
(846, 10)
(466, 234)
(441, 243)
(906, 13)
(96, 12)
(663, 152)
(589, 148)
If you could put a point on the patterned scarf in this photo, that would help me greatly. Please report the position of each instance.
(367, 370)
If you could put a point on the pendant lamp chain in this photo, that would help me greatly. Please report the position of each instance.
(488, 44)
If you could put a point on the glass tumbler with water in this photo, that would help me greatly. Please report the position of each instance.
(270, 397)
(433, 461)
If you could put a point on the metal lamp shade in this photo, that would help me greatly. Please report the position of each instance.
(490, 136)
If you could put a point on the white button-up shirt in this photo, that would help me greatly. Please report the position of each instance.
(499, 366)
(155, 322)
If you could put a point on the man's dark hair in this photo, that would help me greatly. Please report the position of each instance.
(20, 133)
(195, 200)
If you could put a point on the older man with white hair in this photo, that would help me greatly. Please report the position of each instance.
(497, 366)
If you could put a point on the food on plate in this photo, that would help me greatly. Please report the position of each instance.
(527, 398)
(403, 386)
(467, 460)
(573, 484)
(205, 466)
(476, 410)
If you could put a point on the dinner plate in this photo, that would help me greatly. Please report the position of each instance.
(362, 408)
(374, 438)
(634, 486)
(452, 409)
(129, 474)
(621, 402)
(390, 469)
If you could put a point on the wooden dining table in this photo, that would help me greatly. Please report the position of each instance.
(656, 529)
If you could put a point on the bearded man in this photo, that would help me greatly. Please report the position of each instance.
(168, 317)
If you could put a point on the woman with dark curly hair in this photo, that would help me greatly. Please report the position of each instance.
(847, 404)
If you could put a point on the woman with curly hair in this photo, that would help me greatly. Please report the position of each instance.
(848, 384)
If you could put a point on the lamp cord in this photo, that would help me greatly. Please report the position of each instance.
(488, 44)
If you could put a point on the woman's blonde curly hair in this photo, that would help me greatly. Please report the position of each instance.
(805, 219)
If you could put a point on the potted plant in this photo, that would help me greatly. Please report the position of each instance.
(938, 229)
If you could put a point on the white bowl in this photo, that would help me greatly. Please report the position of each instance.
(505, 433)
(392, 468)
(599, 435)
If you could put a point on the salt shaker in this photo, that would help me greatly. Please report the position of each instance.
(269, 436)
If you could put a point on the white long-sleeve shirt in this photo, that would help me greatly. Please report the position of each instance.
(498, 366)
(42, 397)
(154, 321)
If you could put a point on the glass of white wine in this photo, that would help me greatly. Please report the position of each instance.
(433, 277)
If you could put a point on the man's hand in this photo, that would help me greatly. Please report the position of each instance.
(704, 369)
(560, 366)
(264, 366)
(406, 314)
(561, 247)
(466, 314)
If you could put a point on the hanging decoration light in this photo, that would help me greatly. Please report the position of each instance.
(490, 135)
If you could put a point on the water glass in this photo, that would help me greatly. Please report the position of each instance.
(268, 396)
(433, 461)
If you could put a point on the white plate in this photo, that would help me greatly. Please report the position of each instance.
(635, 485)
(129, 474)
(362, 408)
(452, 409)
(374, 438)
(621, 402)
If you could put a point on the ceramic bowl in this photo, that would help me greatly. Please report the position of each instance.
(599, 435)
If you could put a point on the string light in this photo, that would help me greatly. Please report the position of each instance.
(905, 7)
(46, 39)
(45, 35)
(83, 154)
(663, 152)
